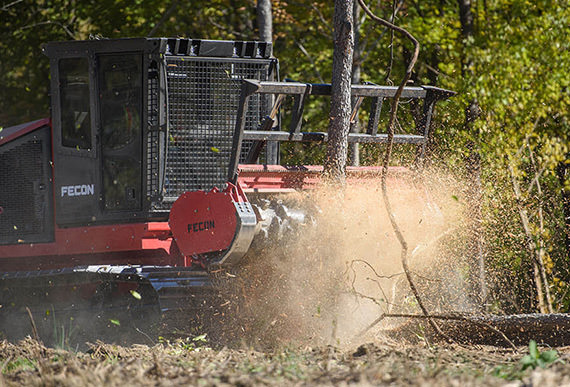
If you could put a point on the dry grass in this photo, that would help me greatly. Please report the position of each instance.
(184, 363)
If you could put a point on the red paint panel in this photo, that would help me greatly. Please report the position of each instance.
(97, 239)
(278, 178)
(11, 133)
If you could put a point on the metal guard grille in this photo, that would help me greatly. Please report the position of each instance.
(203, 97)
(154, 137)
(21, 178)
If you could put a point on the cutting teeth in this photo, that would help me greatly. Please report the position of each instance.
(279, 219)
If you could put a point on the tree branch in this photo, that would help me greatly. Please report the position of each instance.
(163, 18)
(531, 245)
(65, 28)
(389, 71)
(310, 58)
(5, 7)
(390, 144)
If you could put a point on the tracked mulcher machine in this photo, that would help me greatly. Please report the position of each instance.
(135, 189)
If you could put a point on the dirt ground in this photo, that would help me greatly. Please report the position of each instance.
(194, 362)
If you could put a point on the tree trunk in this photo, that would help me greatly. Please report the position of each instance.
(473, 163)
(265, 26)
(563, 172)
(356, 70)
(475, 213)
(264, 20)
(531, 244)
(540, 246)
(466, 18)
(339, 125)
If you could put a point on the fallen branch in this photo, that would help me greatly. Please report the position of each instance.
(445, 317)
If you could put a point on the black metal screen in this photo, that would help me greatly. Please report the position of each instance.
(203, 99)
(154, 136)
(25, 207)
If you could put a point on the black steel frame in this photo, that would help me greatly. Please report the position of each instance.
(300, 92)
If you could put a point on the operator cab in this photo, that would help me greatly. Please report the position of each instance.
(137, 122)
(109, 157)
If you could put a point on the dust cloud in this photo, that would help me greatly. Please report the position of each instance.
(340, 269)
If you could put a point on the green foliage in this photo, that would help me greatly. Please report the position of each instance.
(20, 364)
(64, 334)
(535, 358)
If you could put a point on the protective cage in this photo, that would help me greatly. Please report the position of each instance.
(203, 86)
(203, 101)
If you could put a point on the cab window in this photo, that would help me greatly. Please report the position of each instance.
(120, 100)
(75, 110)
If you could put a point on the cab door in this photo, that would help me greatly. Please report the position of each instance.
(120, 105)
(77, 188)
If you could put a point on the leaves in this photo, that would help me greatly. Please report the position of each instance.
(535, 358)
(200, 338)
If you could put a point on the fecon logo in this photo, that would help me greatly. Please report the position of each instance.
(77, 190)
(201, 226)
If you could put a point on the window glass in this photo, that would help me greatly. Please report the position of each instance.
(75, 116)
(120, 98)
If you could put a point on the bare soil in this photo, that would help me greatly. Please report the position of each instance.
(193, 362)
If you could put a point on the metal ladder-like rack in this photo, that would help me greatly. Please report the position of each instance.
(267, 131)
